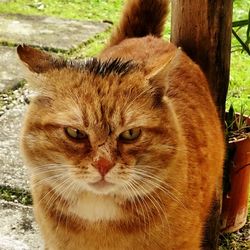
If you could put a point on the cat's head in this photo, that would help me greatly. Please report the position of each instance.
(99, 126)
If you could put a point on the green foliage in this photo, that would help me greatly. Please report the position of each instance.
(75, 9)
(15, 195)
(240, 24)
(239, 88)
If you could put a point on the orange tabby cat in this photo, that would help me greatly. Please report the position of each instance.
(124, 150)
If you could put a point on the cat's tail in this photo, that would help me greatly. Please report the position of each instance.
(141, 18)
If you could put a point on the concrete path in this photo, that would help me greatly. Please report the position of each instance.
(48, 32)
(12, 172)
(10, 68)
(18, 231)
(45, 32)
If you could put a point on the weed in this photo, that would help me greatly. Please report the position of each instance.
(15, 195)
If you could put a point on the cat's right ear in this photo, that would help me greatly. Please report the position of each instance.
(35, 60)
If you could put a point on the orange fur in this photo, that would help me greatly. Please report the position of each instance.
(162, 183)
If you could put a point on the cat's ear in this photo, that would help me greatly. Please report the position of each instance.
(157, 72)
(159, 68)
(35, 60)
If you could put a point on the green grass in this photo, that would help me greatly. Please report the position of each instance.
(239, 87)
(75, 9)
(15, 195)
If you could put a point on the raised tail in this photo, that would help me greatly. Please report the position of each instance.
(141, 18)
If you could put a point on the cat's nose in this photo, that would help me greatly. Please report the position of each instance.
(103, 165)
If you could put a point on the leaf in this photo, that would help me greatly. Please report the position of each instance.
(230, 119)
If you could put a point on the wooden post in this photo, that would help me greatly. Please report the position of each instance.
(203, 29)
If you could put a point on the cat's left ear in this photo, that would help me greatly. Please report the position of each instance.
(157, 73)
(159, 68)
(36, 60)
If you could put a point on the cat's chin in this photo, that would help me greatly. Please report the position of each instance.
(102, 187)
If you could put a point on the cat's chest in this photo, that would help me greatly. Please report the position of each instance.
(95, 208)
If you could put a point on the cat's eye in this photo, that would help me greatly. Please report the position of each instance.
(130, 135)
(75, 133)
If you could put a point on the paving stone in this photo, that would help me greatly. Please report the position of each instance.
(18, 230)
(10, 68)
(47, 32)
(13, 173)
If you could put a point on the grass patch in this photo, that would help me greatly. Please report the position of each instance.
(239, 86)
(74, 9)
(15, 195)
(236, 241)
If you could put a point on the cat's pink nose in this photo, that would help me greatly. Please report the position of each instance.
(103, 165)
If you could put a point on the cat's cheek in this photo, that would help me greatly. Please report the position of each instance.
(128, 153)
(33, 153)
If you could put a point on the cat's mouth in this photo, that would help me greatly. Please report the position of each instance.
(101, 185)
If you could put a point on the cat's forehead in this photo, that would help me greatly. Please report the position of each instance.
(97, 84)
(99, 93)
(101, 102)
(98, 67)
(107, 67)
(93, 77)
(111, 105)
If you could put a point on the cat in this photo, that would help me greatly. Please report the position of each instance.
(125, 149)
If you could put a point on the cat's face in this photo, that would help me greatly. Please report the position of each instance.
(106, 133)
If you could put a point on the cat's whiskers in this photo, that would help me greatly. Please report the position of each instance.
(130, 197)
(54, 165)
(43, 172)
(160, 184)
(146, 195)
(148, 210)
(51, 172)
(134, 191)
(49, 168)
(166, 191)
(153, 200)
(55, 193)
(51, 191)
(158, 204)
(64, 198)
(76, 189)
(47, 180)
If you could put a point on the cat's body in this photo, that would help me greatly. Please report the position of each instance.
(159, 185)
